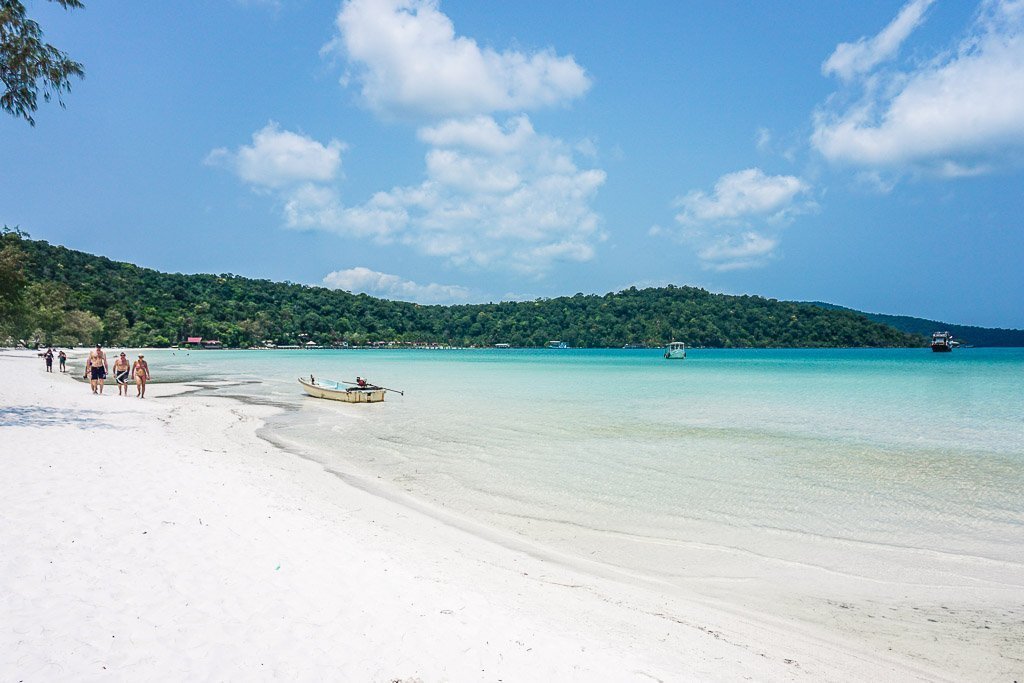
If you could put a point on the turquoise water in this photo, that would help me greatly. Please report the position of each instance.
(854, 461)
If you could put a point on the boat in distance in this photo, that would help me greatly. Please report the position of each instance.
(675, 350)
(357, 394)
(942, 342)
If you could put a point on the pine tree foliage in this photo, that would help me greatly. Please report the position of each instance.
(26, 62)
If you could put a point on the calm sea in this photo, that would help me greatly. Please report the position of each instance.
(880, 466)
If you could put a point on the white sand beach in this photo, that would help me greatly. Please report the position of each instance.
(163, 539)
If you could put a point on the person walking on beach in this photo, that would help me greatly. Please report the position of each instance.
(49, 360)
(63, 358)
(140, 371)
(96, 367)
(121, 370)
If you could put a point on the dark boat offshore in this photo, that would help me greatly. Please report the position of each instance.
(942, 342)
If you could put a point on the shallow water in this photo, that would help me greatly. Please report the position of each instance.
(629, 459)
(874, 495)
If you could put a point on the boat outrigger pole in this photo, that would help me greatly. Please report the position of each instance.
(373, 386)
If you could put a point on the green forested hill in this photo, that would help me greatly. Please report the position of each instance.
(968, 334)
(67, 296)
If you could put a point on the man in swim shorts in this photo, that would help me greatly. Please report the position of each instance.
(121, 371)
(96, 366)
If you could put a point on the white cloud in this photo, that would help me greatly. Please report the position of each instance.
(743, 194)
(497, 197)
(876, 181)
(587, 148)
(951, 169)
(964, 108)
(736, 252)
(279, 158)
(735, 226)
(480, 133)
(316, 207)
(471, 173)
(389, 286)
(494, 196)
(407, 57)
(852, 59)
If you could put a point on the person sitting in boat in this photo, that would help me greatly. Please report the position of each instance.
(361, 382)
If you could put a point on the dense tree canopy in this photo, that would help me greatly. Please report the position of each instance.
(70, 296)
(12, 282)
(968, 334)
(26, 62)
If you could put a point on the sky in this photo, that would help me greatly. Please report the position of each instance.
(868, 154)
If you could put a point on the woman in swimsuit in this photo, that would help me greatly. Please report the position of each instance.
(140, 371)
(121, 371)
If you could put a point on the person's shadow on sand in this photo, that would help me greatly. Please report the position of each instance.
(31, 416)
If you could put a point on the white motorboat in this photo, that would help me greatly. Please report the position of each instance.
(675, 350)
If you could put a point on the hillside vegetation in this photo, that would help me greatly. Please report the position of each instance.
(968, 334)
(61, 296)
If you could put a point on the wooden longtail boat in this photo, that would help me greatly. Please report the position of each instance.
(369, 394)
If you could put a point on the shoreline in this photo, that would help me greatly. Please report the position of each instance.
(288, 558)
(441, 347)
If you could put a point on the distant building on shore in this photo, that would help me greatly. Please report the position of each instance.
(200, 343)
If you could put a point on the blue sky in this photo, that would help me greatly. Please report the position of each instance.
(869, 154)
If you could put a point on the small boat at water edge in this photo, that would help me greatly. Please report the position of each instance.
(943, 342)
(357, 394)
(675, 350)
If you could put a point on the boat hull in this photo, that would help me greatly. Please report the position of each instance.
(355, 395)
(942, 342)
(675, 351)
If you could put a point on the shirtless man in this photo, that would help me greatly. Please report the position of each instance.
(96, 366)
(140, 371)
(121, 369)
